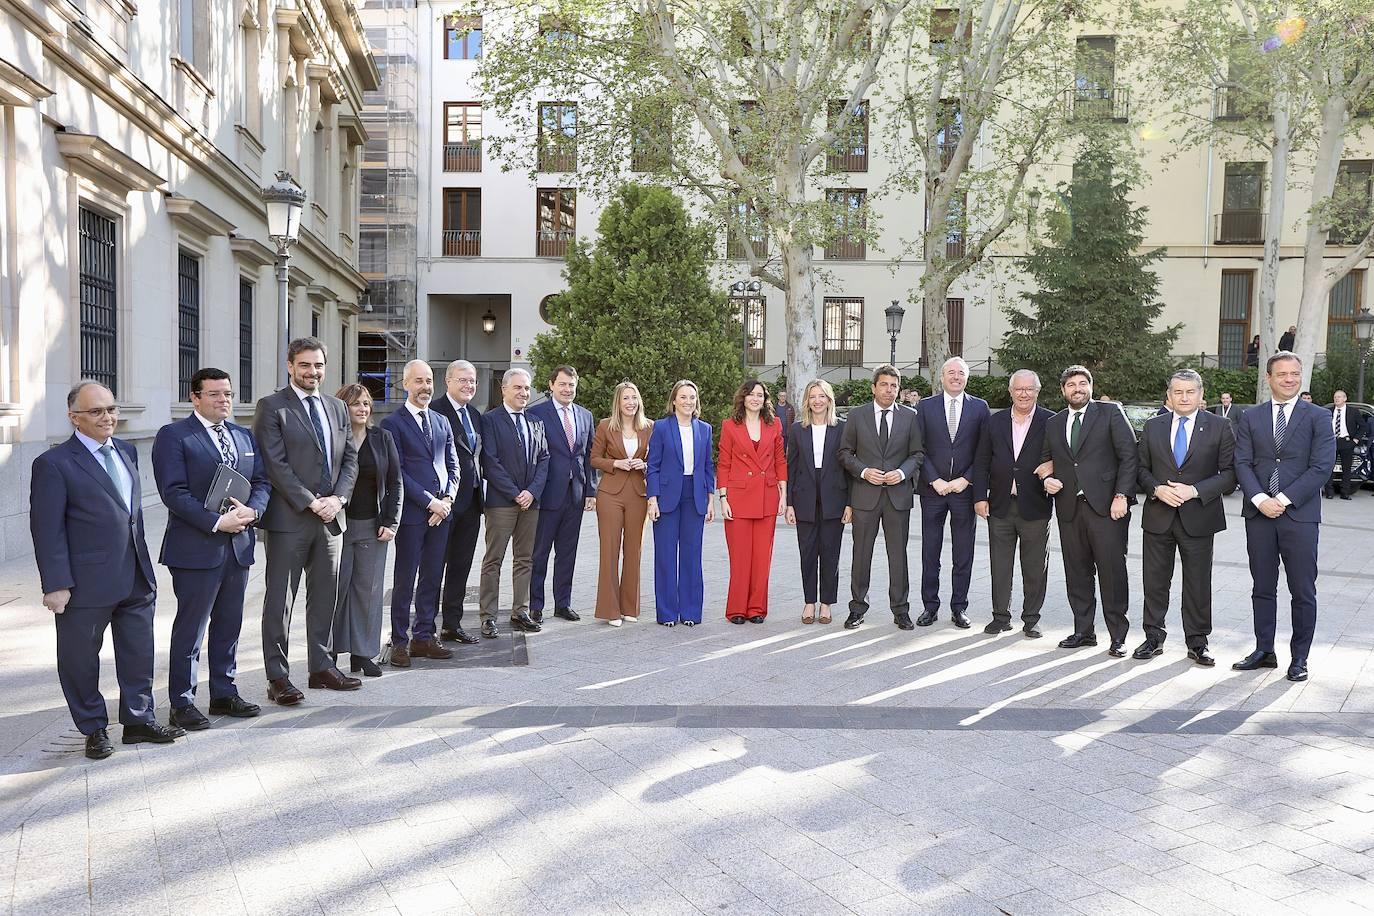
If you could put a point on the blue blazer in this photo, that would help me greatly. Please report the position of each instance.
(185, 458)
(664, 473)
(419, 482)
(1304, 463)
(947, 460)
(505, 464)
(84, 538)
(571, 477)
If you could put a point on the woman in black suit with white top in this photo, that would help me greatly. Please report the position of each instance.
(817, 497)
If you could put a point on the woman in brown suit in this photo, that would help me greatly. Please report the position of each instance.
(619, 448)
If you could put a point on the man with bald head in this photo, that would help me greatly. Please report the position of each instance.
(429, 480)
(86, 517)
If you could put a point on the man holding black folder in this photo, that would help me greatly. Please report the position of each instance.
(211, 478)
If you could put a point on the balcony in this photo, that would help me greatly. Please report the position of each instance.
(954, 248)
(1237, 105)
(462, 243)
(1098, 103)
(552, 243)
(1351, 235)
(736, 250)
(849, 160)
(463, 157)
(845, 249)
(1240, 227)
(557, 158)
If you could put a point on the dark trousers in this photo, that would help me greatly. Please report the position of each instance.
(310, 551)
(462, 546)
(958, 508)
(1271, 541)
(1345, 452)
(896, 525)
(81, 633)
(1157, 572)
(558, 532)
(819, 545)
(208, 601)
(1095, 548)
(1032, 535)
(419, 554)
(679, 586)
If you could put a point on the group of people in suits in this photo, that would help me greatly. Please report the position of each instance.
(331, 491)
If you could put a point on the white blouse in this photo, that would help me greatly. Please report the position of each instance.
(818, 444)
(688, 434)
(631, 445)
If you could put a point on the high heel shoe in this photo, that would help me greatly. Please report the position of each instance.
(366, 665)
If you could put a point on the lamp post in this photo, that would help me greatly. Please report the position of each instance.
(741, 289)
(1033, 208)
(1364, 325)
(894, 313)
(285, 200)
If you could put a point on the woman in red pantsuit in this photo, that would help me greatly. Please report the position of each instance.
(751, 472)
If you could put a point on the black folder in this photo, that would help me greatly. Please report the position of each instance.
(228, 483)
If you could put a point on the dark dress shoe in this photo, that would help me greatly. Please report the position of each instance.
(429, 648)
(1032, 632)
(489, 630)
(926, 618)
(524, 623)
(1117, 649)
(332, 679)
(566, 613)
(399, 657)
(236, 707)
(1148, 649)
(1202, 657)
(537, 616)
(1345, 496)
(1256, 660)
(853, 620)
(98, 744)
(1297, 671)
(284, 693)
(361, 663)
(997, 626)
(903, 621)
(1327, 494)
(457, 634)
(1078, 640)
(960, 619)
(189, 718)
(737, 618)
(155, 732)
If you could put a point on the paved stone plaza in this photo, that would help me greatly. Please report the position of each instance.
(774, 769)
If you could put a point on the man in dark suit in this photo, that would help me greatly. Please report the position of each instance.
(515, 462)
(881, 450)
(1092, 477)
(1285, 449)
(208, 551)
(1348, 427)
(950, 425)
(1286, 339)
(86, 518)
(429, 478)
(570, 491)
(1017, 509)
(1187, 464)
(460, 378)
(1227, 410)
(307, 449)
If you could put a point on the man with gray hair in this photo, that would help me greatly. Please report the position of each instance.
(460, 380)
(1016, 507)
(1187, 464)
(515, 462)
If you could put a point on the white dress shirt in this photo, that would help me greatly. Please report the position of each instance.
(214, 437)
(958, 400)
(1344, 414)
(328, 444)
(1187, 430)
(818, 444)
(689, 456)
(891, 420)
(126, 477)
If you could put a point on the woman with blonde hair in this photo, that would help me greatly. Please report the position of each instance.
(817, 496)
(679, 477)
(620, 450)
(373, 511)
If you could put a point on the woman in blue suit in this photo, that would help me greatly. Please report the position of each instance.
(679, 480)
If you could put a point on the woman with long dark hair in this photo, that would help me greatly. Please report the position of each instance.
(752, 474)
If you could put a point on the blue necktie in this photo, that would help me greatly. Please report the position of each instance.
(108, 451)
(424, 425)
(326, 478)
(1280, 430)
(467, 427)
(1181, 441)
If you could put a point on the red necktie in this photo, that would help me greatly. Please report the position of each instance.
(567, 428)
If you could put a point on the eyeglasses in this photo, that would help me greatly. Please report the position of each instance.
(95, 413)
(1024, 390)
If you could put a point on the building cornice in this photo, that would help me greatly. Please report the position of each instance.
(353, 128)
(194, 216)
(19, 88)
(98, 160)
(344, 15)
(252, 252)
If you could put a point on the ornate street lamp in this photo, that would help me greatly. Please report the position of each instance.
(285, 200)
(1364, 326)
(894, 313)
(741, 289)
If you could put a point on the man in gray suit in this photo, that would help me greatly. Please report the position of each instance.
(309, 456)
(881, 450)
